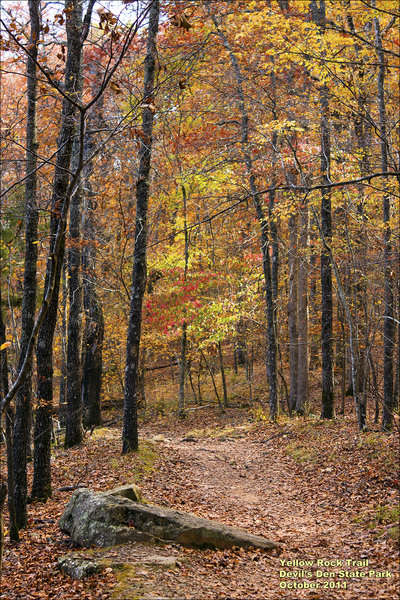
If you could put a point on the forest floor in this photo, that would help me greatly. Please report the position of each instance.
(320, 489)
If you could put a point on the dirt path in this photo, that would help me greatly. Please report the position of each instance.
(248, 484)
(314, 487)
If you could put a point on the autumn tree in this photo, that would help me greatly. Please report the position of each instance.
(22, 420)
(130, 431)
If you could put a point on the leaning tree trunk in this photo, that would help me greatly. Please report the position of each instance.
(22, 422)
(73, 416)
(130, 427)
(328, 409)
(41, 488)
(263, 223)
(9, 418)
(388, 317)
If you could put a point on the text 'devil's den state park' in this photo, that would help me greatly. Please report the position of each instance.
(336, 573)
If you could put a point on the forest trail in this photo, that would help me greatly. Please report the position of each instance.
(315, 487)
(248, 483)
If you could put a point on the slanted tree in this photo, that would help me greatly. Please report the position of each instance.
(262, 220)
(41, 487)
(73, 415)
(9, 419)
(22, 420)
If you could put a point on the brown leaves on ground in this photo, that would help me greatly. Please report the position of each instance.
(318, 487)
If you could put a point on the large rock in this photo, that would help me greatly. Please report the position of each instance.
(102, 519)
(78, 567)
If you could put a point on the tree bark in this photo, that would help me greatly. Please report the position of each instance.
(293, 317)
(303, 345)
(182, 372)
(388, 316)
(23, 408)
(3, 392)
(396, 390)
(183, 359)
(3, 495)
(93, 362)
(62, 407)
(41, 488)
(328, 409)
(130, 426)
(9, 419)
(221, 364)
(94, 321)
(73, 418)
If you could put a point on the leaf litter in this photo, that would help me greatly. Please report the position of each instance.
(319, 489)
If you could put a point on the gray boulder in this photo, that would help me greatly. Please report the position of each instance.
(103, 519)
(77, 567)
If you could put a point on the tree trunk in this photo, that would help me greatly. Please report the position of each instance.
(130, 427)
(388, 317)
(191, 383)
(9, 420)
(182, 372)
(142, 403)
(274, 229)
(303, 346)
(23, 408)
(221, 364)
(328, 409)
(293, 317)
(62, 407)
(73, 420)
(12, 515)
(183, 359)
(3, 392)
(3, 495)
(41, 488)
(396, 391)
(199, 380)
(93, 362)
(208, 367)
(93, 336)
(264, 230)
